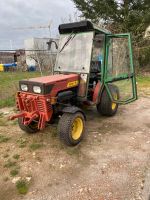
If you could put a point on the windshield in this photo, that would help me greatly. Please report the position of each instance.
(74, 52)
(71, 36)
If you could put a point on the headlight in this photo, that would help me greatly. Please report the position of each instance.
(24, 87)
(37, 89)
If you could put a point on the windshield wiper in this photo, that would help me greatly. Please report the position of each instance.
(68, 40)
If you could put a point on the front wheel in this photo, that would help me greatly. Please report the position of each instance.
(106, 106)
(31, 128)
(71, 128)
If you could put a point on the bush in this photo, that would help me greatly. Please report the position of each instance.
(144, 57)
(22, 186)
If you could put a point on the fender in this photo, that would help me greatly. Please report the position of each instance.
(98, 92)
(73, 109)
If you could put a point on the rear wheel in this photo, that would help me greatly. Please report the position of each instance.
(106, 106)
(31, 128)
(71, 128)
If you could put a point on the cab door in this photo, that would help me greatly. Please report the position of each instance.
(119, 69)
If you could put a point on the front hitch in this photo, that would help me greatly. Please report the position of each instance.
(29, 117)
(17, 116)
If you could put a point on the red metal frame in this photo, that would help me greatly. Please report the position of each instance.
(96, 92)
(39, 107)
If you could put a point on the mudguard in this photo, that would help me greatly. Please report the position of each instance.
(73, 109)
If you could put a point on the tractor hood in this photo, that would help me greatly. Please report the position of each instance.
(46, 83)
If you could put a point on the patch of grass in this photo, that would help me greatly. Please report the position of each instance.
(61, 146)
(54, 133)
(14, 172)
(16, 156)
(3, 122)
(143, 81)
(10, 164)
(8, 102)
(22, 145)
(22, 187)
(73, 151)
(14, 122)
(143, 84)
(22, 142)
(4, 138)
(35, 146)
(9, 82)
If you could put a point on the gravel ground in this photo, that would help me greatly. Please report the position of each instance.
(112, 162)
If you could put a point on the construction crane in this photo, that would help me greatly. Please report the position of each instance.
(48, 26)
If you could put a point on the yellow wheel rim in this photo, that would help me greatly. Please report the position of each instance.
(113, 105)
(77, 128)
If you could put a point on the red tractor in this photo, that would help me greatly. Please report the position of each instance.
(93, 67)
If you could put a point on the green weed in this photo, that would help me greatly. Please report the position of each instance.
(53, 133)
(143, 81)
(14, 172)
(35, 146)
(22, 142)
(4, 138)
(72, 151)
(22, 186)
(10, 164)
(3, 122)
(14, 122)
(16, 156)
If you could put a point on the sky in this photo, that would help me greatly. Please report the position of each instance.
(17, 14)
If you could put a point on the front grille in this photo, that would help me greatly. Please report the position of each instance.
(28, 105)
(49, 106)
(41, 106)
(31, 104)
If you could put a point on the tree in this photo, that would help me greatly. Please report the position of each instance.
(44, 59)
(118, 15)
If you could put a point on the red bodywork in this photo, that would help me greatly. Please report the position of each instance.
(96, 92)
(39, 107)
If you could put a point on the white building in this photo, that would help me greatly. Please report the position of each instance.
(147, 32)
(41, 52)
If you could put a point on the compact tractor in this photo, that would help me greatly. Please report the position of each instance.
(93, 67)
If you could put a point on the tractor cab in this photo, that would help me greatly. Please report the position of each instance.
(99, 57)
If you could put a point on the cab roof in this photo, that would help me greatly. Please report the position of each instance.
(82, 26)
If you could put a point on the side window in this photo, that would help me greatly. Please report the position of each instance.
(98, 48)
(97, 59)
(119, 69)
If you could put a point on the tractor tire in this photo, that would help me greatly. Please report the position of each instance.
(106, 107)
(71, 128)
(31, 128)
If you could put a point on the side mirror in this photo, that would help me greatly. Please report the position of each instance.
(49, 43)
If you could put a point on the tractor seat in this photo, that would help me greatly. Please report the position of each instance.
(95, 72)
(95, 67)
